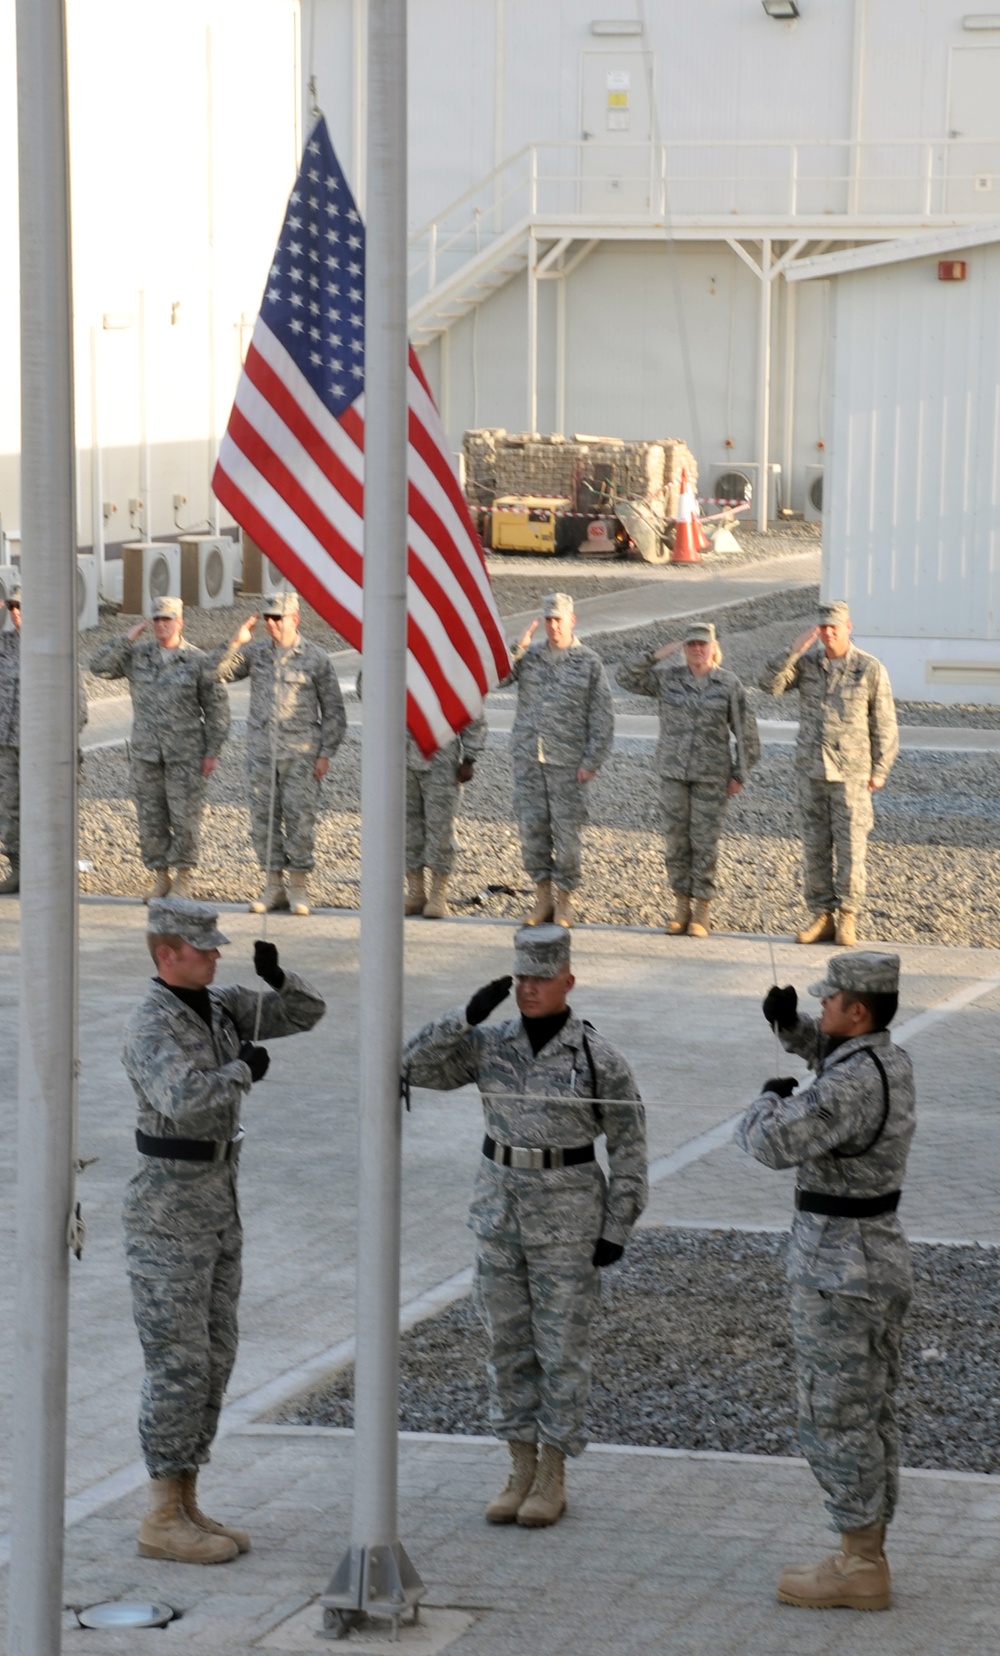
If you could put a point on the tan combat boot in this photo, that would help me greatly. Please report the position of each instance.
(167, 1531)
(698, 925)
(679, 924)
(436, 906)
(298, 894)
(503, 1509)
(416, 891)
(821, 929)
(160, 886)
(182, 886)
(542, 911)
(189, 1501)
(273, 896)
(545, 1502)
(12, 884)
(562, 912)
(855, 1578)
(847, 929)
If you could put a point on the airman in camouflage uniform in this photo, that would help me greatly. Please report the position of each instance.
(563, 730)
(295, 726)
(544, 1219)
(848, 1134)
(707, 746)
(433, 787)
(180, 721)
(10, 740)
(190, 1057)
(847, 745)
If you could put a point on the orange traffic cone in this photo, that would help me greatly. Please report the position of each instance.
(689, 537)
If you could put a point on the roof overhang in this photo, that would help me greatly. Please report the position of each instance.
(928, 244)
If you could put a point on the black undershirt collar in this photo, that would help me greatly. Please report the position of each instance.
(540, 1031)
(197, 999)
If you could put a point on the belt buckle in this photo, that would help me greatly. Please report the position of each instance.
(523, 1157)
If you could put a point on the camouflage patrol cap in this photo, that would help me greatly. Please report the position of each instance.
(197, 923)
(14, 595)
(280, 603)
(700, 632)
(835, 613)
(859, 974)
(557, 603)
(541, 951)
(167, 609)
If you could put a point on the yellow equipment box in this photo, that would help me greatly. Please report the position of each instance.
(527, 523)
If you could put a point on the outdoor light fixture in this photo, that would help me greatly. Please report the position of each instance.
(783, 10)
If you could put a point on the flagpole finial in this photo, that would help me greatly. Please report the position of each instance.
(314, 108)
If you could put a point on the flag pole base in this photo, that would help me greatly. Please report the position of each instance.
(370, 1581)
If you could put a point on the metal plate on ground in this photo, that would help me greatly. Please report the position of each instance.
(435, 1630)
(125, 1614)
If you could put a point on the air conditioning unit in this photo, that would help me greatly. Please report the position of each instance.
(206, 571)
(86, 591)
(259, 573)
(9, 579)
(152, 570)
(813, 509)
(10, 546)
(737, 480)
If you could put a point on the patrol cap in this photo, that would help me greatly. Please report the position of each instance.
(14, 595)
(700, 632)
(557, 603)
(197, 923)
(280, 603)
(833, 614)
(859, 974)
(167, 609)
(541, 951)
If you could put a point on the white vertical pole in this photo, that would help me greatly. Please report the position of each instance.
(358, 80)
(791, 291)
(764, 383)
(375, 1574)
(46, 1136)
(561, 355)
(858, 52)
(532, 332)
(96, 458)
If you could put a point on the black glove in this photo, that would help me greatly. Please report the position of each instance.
(257, 1060)
(606, 1253)
(783, 1085)
(265, 964)
(485, 999)
(781, 1007)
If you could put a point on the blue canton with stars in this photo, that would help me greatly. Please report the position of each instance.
(315, 296)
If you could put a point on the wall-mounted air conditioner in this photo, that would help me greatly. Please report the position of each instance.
(259, 573)
(152, 569)
(86, 591)
(813, 508)
(206, 571)
(736, 480)
(9, 579)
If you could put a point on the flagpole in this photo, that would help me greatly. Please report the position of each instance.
(46, 1116)
(375, 1574)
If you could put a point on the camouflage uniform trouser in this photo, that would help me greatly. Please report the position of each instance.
(551, 810)
(536, 1305)
(431, 803)
(693, 814)
(10, 803)
(836, 817)
(296, 805)
(185, 1293)
(169, 801)
(847, 1361)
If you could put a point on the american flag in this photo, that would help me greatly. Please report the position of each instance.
(291, 465)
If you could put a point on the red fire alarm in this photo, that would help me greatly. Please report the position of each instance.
(951, 270)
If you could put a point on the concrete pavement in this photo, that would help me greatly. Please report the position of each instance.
(659, 1550)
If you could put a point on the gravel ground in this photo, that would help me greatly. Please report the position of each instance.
(692, 1351)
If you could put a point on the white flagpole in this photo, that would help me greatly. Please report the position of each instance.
(375, 1574)
(47, 1089)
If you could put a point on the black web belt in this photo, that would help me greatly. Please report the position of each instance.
(536, 1157)
(182, 1149)
(847, 1207)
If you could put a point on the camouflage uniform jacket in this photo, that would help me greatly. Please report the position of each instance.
(177, 705)
(543, 1100)
(565, 715)
(189, 1081)
(827, 1132)
(847, 717)
(697, 715)
(304, 688)
(468, 744)
(10, 690)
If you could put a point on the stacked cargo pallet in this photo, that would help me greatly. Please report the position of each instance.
(581, 468)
